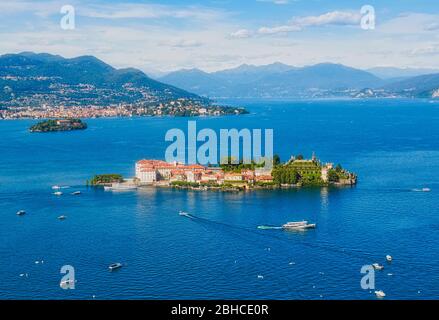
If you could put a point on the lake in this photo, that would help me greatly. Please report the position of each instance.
(393, 146)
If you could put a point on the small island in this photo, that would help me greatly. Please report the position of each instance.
(54, 125)
(294, 173)
(105, 179)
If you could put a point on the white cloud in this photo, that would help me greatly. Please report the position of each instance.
(146, 11)
(241, 34)
(275, 1)
(434, 26)
(279, 29)
(331, 18)
(342, 18)
(182, 43)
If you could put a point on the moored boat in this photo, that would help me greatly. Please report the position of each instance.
(58, 193)
(21, 213)
(120, 187)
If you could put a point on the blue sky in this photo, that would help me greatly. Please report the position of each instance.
(218, 34)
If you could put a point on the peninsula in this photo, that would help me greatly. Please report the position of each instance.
(58, 125)
(296, 172)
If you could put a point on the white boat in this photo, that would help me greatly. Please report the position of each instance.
(377, 266)
(120, 187)
(65, 283)
(184, 214)
(389, 258)
(56, 187)
(299, 225)
(76, 193)
(426, 189)
(58, 193)
(115, 266)
(21, 213)
(380, 294)
(62, 217)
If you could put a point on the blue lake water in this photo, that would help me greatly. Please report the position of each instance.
(392, 145)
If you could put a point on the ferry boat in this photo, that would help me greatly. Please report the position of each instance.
(299, 225)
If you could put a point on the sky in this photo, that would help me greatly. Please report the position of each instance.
(213, 35)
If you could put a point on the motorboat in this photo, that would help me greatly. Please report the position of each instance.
(58, 193)
(56, 187)
(76, 193)
(389, 258)
(380, 294)
(21, 213)
(66, 283)
(115, 266)
(62, 217)
(377, 266)
(184, 214)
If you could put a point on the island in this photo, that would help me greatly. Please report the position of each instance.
(54, 125)
(105, 179)
(294, 173)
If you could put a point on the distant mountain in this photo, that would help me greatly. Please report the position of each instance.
(30, 79)
(420, 86)
(400, 73)
(275, 80)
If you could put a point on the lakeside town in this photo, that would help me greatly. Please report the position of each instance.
(296, 172)
(179, 107)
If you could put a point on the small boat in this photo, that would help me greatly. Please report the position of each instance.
(76, 193)
(58, 193)
(21, 213)
(389, 258)
(115, 266)
(299, 225)
(62, 217)
(377, 266)
(422, 190)
(380, 294)
(184, 214)
(56, 187)
(65, 283)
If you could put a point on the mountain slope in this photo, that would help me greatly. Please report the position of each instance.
(35, 79)
(391, 73)
(420, 86)
(275, 80)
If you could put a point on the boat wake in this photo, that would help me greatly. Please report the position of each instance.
(269, 228)
(421, 190)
